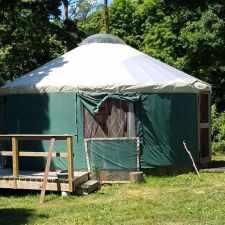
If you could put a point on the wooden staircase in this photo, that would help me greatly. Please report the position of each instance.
(87, 187)
(83, 184)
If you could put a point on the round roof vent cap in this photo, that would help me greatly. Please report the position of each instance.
(102, 38)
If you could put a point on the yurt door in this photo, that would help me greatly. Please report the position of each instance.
(110, 137)
(204, 127)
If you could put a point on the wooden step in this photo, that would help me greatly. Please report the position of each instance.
(87, 187)
(80, 177)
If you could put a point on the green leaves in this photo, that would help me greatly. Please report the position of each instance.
(122, 20)
(218, 131)
(25, 30)
(31, 34)
(188, 34)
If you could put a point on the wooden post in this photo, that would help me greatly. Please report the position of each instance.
(69, 142)
(136, 177)
(15, 160)
(47, 167)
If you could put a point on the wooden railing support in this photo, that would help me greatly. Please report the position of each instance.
(70, 163)
(47, 167)
(15, 153)
(15, 160)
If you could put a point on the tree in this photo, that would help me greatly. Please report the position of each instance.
(121, 20)
(218, 131)
(31, 34)
(81, 9)
(106, 16)
(26, 35)
(75, 13)
(188, 35)
(204, 45)
(93, 24)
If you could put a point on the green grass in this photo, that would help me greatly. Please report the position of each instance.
(218, 157)
(176, 200)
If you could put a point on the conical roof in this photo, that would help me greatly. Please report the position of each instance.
(105, 67)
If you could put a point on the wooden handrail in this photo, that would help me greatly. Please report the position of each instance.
(34, 137)
(35, 154)
(15, 153)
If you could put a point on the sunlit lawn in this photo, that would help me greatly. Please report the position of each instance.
(182, 199)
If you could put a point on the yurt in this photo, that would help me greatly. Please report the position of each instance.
(126, 110)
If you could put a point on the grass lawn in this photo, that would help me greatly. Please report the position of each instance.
(177, 200)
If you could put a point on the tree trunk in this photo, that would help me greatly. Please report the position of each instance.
(65, 17)
(66, 9)
(106, 16)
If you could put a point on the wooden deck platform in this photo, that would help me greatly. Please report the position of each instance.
(70, 181)
(33, 180)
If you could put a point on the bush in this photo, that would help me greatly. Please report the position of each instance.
(218, 131)
(218, 147)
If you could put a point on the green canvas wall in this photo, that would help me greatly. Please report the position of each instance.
(46, 114)
(113, 154)
(167, 120)
(163, 122)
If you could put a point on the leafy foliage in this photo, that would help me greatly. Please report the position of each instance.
(25, 35)
(77, 15)
(80, 9)
(93, 24)
(31, 34)
(189, 35)
(218, 131)
(121, 22)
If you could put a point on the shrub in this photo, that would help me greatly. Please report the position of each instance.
(218, 131)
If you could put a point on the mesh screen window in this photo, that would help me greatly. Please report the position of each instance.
(115, 119)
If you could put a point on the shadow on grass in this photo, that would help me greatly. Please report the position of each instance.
(17, 216)
(18, 193)
(217, 163)
(22, 193)
(168, 171)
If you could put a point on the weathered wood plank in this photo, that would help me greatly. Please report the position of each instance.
(43, 154)
(70, 163)
(34, 185)
(50, 151)
(37, 137)
(34, 154)
(34, 182)
(15, 160)
(5, 153)
(87, 187)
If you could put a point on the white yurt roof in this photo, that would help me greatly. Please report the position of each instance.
(105, 67)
